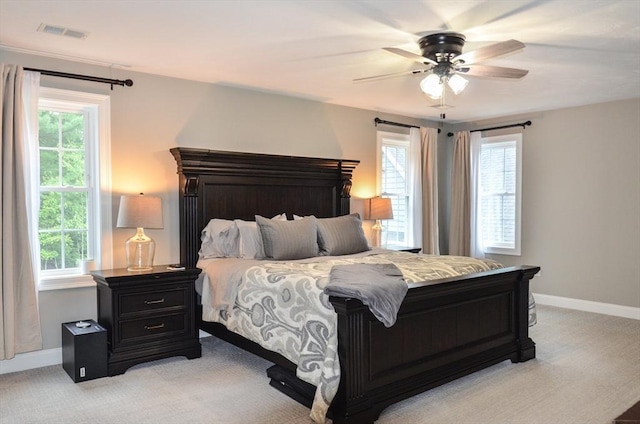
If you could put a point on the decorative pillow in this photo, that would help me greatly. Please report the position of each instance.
(342, 235)
(219, 239)
(285, 240)
(250, 240)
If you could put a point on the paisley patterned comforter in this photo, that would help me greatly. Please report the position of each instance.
(282, 307)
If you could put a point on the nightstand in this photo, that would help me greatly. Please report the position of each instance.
(148, 315)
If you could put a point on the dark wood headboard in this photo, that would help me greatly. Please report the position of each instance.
(232, 185)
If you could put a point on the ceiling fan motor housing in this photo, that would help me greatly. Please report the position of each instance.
(442, 47)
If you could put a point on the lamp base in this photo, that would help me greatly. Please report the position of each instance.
(140, 250)
(377, 233)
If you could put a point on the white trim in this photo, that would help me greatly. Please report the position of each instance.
(77, 59)
(501, 141)
(100, 158)
(104, 164)
(588, 306)
(30, 360)
(66, 282)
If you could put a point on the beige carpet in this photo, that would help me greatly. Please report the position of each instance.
(587, 371)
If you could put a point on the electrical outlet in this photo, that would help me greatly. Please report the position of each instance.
(82, 372)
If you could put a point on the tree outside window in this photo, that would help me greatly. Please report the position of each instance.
(63, 219)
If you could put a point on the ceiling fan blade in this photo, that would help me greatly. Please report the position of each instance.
(488, 52)
(493, 71)
(395, 74)
(411, 56)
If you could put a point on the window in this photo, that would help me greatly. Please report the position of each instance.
(73, 184)
(393, 163)
(500, 193)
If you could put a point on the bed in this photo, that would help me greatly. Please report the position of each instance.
(445, 328)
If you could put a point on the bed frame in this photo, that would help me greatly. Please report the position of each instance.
(445, 329)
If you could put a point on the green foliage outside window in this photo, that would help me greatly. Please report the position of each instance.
(63, 219)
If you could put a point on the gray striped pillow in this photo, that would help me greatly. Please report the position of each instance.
(342, 235)
(285, 240)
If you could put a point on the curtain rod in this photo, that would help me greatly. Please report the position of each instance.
(110, 81)
(521, 124)
(381, 121)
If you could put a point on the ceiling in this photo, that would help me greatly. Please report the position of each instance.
(577, 51)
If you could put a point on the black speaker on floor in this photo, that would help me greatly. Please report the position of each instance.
(84, 350)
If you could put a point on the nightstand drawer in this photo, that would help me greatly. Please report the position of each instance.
(138, 330)
(152, 301)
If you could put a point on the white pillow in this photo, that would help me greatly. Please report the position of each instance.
(250, 240)
(219, 239)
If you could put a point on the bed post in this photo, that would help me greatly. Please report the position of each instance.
(526, 346)
(189, 220)
(352, 404)
(188, 212)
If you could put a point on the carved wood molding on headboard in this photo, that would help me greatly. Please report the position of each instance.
(203, 161)
(200, 169)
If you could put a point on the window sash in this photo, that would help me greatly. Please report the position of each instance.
(393, 150)
(500, 194)
(62, 240)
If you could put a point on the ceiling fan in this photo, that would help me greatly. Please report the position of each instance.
(445, 62)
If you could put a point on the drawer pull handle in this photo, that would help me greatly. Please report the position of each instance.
(154, 327)
(153, 302)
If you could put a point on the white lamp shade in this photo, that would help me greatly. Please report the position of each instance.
(457, 83)
(378, 208)
(431, 86)
(140, 211)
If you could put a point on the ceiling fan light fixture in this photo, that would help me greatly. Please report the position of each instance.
(432, 86)
(457, 83)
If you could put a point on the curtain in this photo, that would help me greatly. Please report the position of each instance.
(460, 225)
(423, 177)
(19, 317)
(430, 234)
(415, 184)
(476, 247)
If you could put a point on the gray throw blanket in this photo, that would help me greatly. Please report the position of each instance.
(379, 286)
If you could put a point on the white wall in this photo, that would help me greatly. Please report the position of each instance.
(581, 201)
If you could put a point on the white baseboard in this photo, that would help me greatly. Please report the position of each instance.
(588, 306)
(29, 360)
(42, 358)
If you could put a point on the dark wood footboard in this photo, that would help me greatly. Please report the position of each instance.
(445, 329)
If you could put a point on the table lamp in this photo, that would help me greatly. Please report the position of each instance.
(140, 212)
(378, 208)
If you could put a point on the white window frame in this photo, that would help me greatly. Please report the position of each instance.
(505, 140)
(97, 109)
(389, 138)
